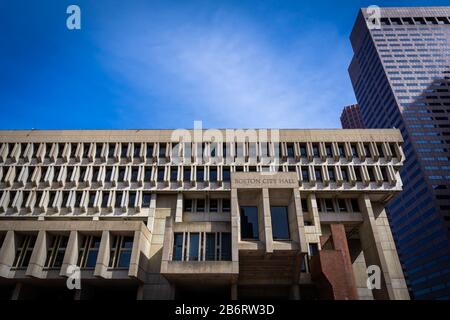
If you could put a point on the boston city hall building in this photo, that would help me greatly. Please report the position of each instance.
(194, 214)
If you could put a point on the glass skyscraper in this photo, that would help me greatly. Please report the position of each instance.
(400, 73)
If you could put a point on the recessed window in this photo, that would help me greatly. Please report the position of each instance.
(331, 174)
(87, 255)
(111, 149)
(367, 151)
(95, 172)
(341, 150)
(354, 151)
(160, 174)
(225, 253)
(318, 173)
(290, 150)
(328, 150)
(187, 205)
(210, 252)
(194, 246)
(304, 205)
(91, 199)
(24, 250)
(108, 174)
(303, 152)
(121, 174)
(280, 223)
(213, 205)
(137, 150)
(355, 205)
(305, 174)
(316, 150)
(149, 151)
(131, 199)
(342, 205)
(98, 150)
(249, 223)
(384, 173)
(162, 150)
(213, 174)
(56, 251)
(120, 254)
(329, 205)
(370, 170)
(358, 173)
(118, 201)
(177, 247)
(226, 174)
(124, 150)
(213, 147)
(186, 174)
(86, 147)
(173, 174)
(105, 197)
(78, 196)
(134, 174)
(226, 205)
(147, 174)
(146, 198)
(200, 174)
(344, 173)
(200, 205)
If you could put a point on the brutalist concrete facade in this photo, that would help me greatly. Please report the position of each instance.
(164, 214)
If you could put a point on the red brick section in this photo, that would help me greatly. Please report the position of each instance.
(332, 271)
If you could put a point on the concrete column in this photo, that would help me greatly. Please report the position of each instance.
(179, 209)
(71, 255)
(379, 249)
(151, 212)
(101, 267)
(267, 221)
(235, 229)
(7, 254)
(297, 222)
(39, 255)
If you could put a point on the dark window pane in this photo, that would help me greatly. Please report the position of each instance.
(355, 205)
(226, 246)
(173, 174)
(213, 205)
(329, 204)
(187, 174)
(124, 259)
(187, 203)
(193, 246)
(342, 205)
(210, 246)
(160, 174)
(280, 222)
(91, 259)
(213, 174)
(200, 205)
(226, 174)
(226, 207)
(249, 223)
(200, 174)
(146, 197)
(177, 246)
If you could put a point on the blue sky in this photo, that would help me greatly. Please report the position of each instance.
(164, 64)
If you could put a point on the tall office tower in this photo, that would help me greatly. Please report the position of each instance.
(351, 117)
(400, 72)
(162, 214)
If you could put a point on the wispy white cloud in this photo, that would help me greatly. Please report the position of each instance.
(229, 74)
